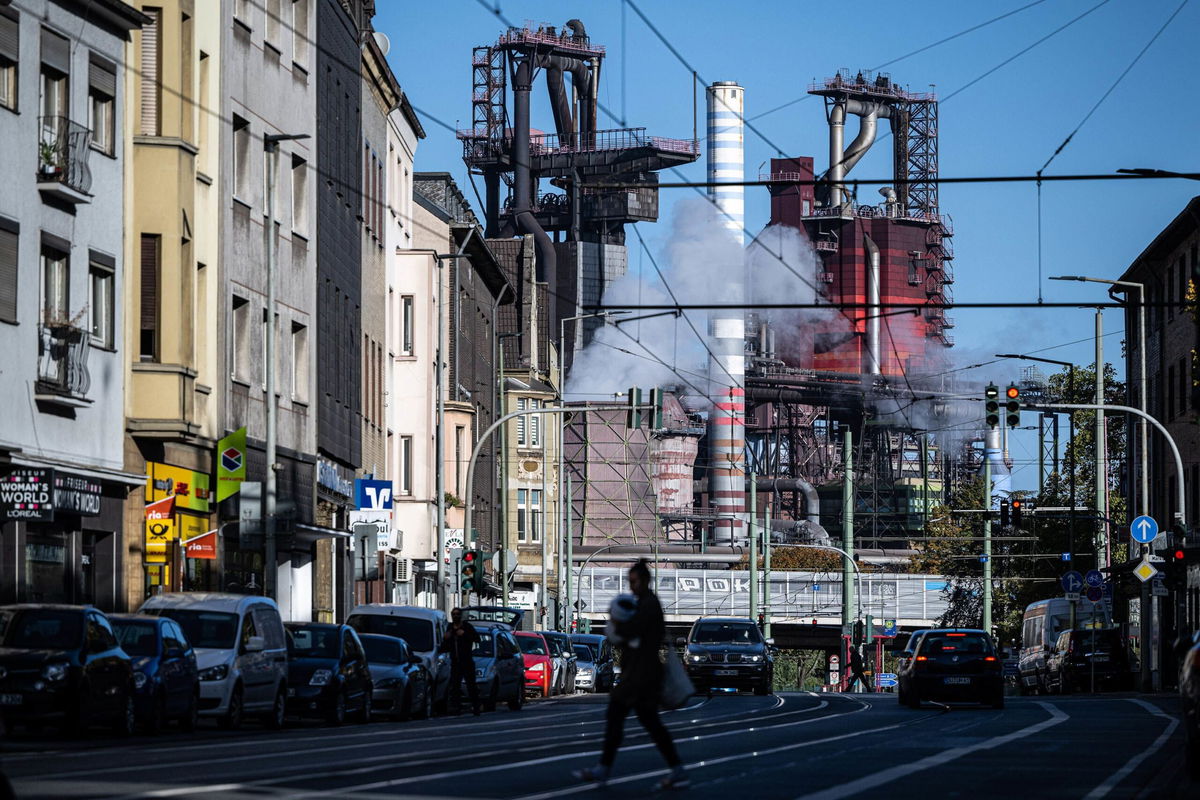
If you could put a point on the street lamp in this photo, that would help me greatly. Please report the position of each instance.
(270, 568)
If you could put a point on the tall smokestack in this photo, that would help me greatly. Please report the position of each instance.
(727, 328)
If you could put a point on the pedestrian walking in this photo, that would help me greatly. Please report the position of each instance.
(856, 669)
(460, 638)
(636, 626)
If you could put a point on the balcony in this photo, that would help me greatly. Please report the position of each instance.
(63, 377)
(63, 148)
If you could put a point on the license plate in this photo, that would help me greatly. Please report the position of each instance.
(10, 699)
(291, 692)
(1099, 658)
(958, 681)
(721, 673)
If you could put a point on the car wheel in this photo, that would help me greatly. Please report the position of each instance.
(1064, 684)
(517, 702)
(191, 717)
(158, 714)
(233, 716)
(493, 696)
(126, 720)
(763, 688)
(275, 718)
(337, 712)
(425, 711)
(364, 713)
(913, 701)
(78, 717)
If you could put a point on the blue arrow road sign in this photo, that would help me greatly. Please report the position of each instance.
(1093, 578)
(1144, 529)
(886, 680)
(1072, 581)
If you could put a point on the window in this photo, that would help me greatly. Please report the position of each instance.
(300, 32)
(241, 11)
(299, 363)
(459, 432)
(299, 195)
(151, 95)
(406, 323)
(240, 356)
(148, 341)
(101, 271)
(529, 516)
(10, 51)
(273, 11)
(241, 157)
(55, 285)
(406, 462)
(529, 427)
(9, 238)
(102, 89)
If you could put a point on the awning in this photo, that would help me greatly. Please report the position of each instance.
(112, 476)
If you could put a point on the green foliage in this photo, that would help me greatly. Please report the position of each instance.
(799, 669)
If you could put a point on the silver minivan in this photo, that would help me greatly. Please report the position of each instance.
(422, 628)
(241, 652)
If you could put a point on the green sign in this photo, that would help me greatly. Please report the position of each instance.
(231, 464)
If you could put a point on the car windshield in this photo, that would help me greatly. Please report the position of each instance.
(584, 653)
(972, 644)
(417, 632)
(45, 628)
(726, 633)
(532, 645)
(137, 638)
(486, 646)
(313, 641)
(215, 630)
(382, 651)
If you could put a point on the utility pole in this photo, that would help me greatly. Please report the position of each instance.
(1101, 450)
(570, 563)
(848, 533)
(987, 546)
(767, 570)
(753, 547)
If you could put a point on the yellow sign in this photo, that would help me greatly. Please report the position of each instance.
(1145, 571)
(160, 530)
(189, 488)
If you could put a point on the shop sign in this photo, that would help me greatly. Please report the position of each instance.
(76, 494)
(160, 530)
(27, 493)
(202, 546)
(189, 488)
(231, 464)
(330, 478)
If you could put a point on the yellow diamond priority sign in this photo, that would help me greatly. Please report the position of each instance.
(1145, 571)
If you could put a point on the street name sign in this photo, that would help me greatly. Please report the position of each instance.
(886, 680)
(1143, 529)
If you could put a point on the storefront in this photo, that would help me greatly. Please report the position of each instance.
(178, 512)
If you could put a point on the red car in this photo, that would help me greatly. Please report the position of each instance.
(539, 662)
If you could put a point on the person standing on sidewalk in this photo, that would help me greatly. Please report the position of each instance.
(460, 638)
(638, 629)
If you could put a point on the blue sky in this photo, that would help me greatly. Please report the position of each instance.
(1007, 123)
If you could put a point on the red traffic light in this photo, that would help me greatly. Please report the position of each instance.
(1177, 555)
(1013, 392)
(469, 556)
(1016, 504)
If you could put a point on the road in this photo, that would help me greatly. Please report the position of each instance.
(793, 745)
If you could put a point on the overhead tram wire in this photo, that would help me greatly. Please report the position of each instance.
(889, 181)
(912, 53)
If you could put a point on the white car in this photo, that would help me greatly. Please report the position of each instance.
(421, 628)
(241, 652)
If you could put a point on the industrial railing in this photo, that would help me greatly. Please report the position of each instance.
(63, 148)
(614, 139)
(563, 42)
(62, 360)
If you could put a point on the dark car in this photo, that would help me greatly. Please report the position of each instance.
(604, 665)
(328, 675)
(165, 677)
(954, 664)
(499, 666)
(63, 665)
(399, 677)
(1080, 657)
(565, 661)
(1189, 692)
(728, 653)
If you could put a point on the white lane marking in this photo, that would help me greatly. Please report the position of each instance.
(550, 759)
(1113, 780)
(937, 759)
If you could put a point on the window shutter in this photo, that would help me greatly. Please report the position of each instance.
(56, 51)
(8, 275)
(150, 77)
(10, 36)
(149, 296)
(102, 77)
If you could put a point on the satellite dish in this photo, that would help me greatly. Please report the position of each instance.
(383, 41)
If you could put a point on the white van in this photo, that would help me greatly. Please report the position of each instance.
(241, 652)
(422, 628)
(1043, 622)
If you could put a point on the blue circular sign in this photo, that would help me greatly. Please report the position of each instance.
(1072, 581)
(1093, 578)
(1143, 529)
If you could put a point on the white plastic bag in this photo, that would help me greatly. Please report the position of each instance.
(677, 686)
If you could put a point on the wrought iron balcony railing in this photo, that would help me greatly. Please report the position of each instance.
(62, 361)
(63, 148)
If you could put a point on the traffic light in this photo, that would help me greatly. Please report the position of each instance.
(633, 417)
(1178, 558)
(656, 409)
(991, 404)
(1018, 506)
(1012, 405)
(471, 570)
(1004, 515)
(859, 631)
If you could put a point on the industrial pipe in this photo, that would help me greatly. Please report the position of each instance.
(837, 133)
(812, 503)
(523, 183)
(871, 366)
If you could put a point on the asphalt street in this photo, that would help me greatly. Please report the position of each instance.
(793, 745)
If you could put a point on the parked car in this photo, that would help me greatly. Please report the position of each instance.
(728, 653)
(1081, 656)
(1189, 691)
(422, 628)
(954, 664)
(165, 675)
(565, 665)
(1043, 623)
(512, 617)
(585, 672)
(604, 669)
(63, 665)
(328, 676)
(401, 683)
(241, 651)
(499, 666)
(539, 662)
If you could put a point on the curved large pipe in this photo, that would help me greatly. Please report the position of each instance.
(842, 161)
(564, 125)
(837, 132)
(547, 266)
(812, 503)
(874, 319)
